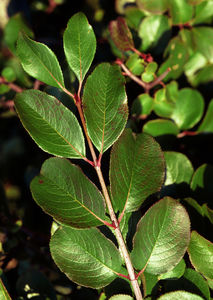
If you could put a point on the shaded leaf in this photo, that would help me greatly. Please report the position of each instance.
(200, 253)
(181, 12)
(163, 107)
(202, 37)
(189, 108)
(151, 284)
(79, 45)
(207, 123)
(203, 12)
(3, 292)
(175, 273)
(121, 35)
(202, 76)
(180, 295)
(51, 125)
(120, 5)
(142, 105)
(162, 237)
(136, 170)
(105, 105)
(64, 192)
(84, 255)
(39, 61)
(134, 16)
(153, 7)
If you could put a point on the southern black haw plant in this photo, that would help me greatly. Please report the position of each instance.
(81, 212)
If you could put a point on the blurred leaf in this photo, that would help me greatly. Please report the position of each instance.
(160, 127)
(9, 74)
(162, 237)
(180, 295)
(207, 123)
(202, 76)
(189, 108)
(175, 273)
(3, 292)
(203, 12)
(79, 45)
(39, 61)
(136, 170)
(15, 23)
(142, 105)
(181, 12)
(147, 77)
(152, 29)
(154, 7)
(33, 283)
(134, 16)
(121, 297)
(152, 67)
(172, 91)
(64, 192)
(202, 37)
(4, 88)
(120, 5)
(105, 105)
(192, 282)
(179, 171)
(200, 253)
(84, 255)
(121, 35)
(196, 62)
(195, 2)
(162, 106)
(135, 64)
(51, 125)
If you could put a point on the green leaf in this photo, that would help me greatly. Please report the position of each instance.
(203, 75)
(3, 292)
(160, 127)
(162, 237)
(175, 273)
(202, 37)
(200, 254)
(152, 29)
(142, 105)
(162, 106)
(79, 45)
(120, 5)
(154, 7)
(192, 282)
(64, 192)
(150, 284)
(121, 35)
(136, 170)
(121, 297)
(196, 62)
(189, 108)
(179, 171)
(202, 185)
(11, 30)
(134, 16)
(203, 12)
(85, 256)
(39, 61)
(180, 295)
(51, 125)
(9, 74)
(135, 64)
(207, 123)
(181, 12)
(147, 77)
(207, 212)
(105, 105)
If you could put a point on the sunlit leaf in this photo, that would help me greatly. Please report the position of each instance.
(163, 106)
(39, 61)
(180, 295)
(85, 256)
(79, 45)
(153, 7)
(203, 12)
(105, 105)
(175, 273)
(136, 170)
(201, 253)
(181, 12)
(142, 105)
(121, 297)
(202, 37)
(52, 126)
(64, 192)
(162, 237)
(160, 127)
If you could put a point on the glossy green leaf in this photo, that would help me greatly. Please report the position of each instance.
(11, 30)
(154, 7)
(162, 237)
(207, 123)
(65, 193)
(39, 61)
(79, 45)
(3, 292)
(180, 295)
(203, 12)
(175, 273)
(136, 170)
(179, 171)
(160, 127)
(192, 282)
(202, 185)
(135, 64)
(163, 107)
(151, 30)
(203, 41)
(52, 126)
(200, 253)
(86, 256)
(142, 105)
(181, 12)
(121, 35)
(105, 105)
(177, 52)
(189, 108)
(121, 297)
